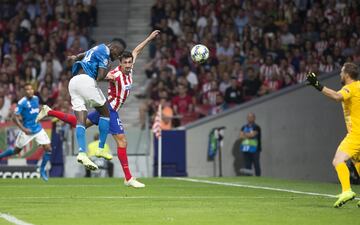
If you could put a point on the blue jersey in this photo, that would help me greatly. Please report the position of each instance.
(96, 57)
(28, 109)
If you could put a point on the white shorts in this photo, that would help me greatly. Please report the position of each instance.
(85, 93)
(23, 139)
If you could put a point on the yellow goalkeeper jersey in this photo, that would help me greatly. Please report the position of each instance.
(351, 107)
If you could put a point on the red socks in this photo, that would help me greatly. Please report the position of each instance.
(67, 118)
(124, 162)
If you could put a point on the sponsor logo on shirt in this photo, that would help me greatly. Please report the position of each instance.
(32, 111)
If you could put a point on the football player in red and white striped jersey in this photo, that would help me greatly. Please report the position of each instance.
(120, 81)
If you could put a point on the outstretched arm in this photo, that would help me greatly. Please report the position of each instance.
(141, 46)
(77, 57)
(313, 81)
(332, 94)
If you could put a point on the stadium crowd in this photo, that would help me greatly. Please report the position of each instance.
(35, 38)
(256, 48)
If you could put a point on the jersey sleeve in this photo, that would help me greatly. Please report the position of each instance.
(19, 108)
(103, 54)
(345, 92)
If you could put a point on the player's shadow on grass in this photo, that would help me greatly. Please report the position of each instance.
(238, 157)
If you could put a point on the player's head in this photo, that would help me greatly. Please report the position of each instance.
(251, 117)
(116, 49)
(29, 90)
(349, 72)
(126, 61)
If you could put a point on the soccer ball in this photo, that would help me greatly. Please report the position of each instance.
(199, 53)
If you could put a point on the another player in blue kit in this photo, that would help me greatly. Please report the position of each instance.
(89, 67)
(26, 112)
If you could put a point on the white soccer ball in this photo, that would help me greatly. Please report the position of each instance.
(199, 53)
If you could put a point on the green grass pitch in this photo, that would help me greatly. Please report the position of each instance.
(170, 201)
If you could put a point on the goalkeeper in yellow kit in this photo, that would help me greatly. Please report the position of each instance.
(349, 148)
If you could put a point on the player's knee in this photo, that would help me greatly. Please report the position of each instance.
(121, 141)
(336, 161)
(17, 150)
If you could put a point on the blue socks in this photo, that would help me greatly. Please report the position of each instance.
(81, 138)
(6, 153)
(104, 124)
(45, 159)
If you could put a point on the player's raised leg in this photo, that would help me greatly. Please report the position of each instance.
(344, 177)
(43, 113)
(9, 152)
(65, 117)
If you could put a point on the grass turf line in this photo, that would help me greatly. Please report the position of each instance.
(169, 201)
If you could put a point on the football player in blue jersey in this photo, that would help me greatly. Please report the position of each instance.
(89, 67)
(25, 114)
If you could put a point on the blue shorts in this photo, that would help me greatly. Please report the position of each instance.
(116, 126)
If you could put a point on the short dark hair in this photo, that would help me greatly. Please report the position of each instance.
(125, 55)
(120, 41)
(352, 69)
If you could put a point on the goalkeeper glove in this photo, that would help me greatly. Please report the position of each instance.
(313, 81)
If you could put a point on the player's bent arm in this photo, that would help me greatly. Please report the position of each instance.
(332, 94)
(102, 72)
(17, 120)
(80, 56)
(76, 57)
(141, 46)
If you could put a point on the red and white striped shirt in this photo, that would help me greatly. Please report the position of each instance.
(267, 71)
(321, 46)
(119, 89)
(301, 77)
(326, 68)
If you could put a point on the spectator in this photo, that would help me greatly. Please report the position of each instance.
(5, 105)
(167, 114)
(328, 66)
(250, 136)
(225, 83)
(233, 94)
(182, 103)
(54, 66)
(174, 24)
(269, 69)
(8, 66)
(286, 37)
(301, 75)
(191, 77)
(225, 51)
(251, 84)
